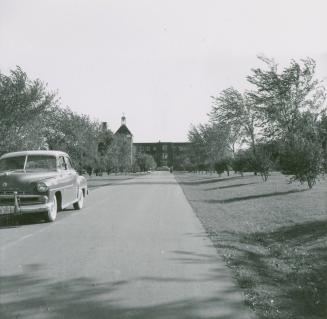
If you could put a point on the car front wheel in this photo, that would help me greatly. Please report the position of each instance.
(79, 204)
(51, 215)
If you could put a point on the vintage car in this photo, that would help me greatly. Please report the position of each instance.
(39, 182)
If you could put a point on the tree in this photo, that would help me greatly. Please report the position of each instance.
(75, 134)
(216, 137)
(105, 139)
(120, 152)
(31, 118)
(301, 152)
(223, 165)
(23, 103)
(322, 127)
(289, 103)
(241, 162)
(262, 162)
(106, 151)
(301, 159)
(145, 162)
(209, 145)
(281, 97)
(237, 112)
(182, 160)
(197, 153)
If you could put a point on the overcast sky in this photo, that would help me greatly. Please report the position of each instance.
(158, 61)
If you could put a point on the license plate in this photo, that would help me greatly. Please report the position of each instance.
(7, 210)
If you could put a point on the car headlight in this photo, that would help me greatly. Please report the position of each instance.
(41, 187)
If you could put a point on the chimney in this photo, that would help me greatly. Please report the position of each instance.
(104, 126)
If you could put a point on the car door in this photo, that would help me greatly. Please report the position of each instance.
(73, 177)
(67, 182)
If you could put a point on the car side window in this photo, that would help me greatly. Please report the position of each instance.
(69, 163)
(61, 163)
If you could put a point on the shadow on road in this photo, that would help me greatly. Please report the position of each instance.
(15, 222)
(30, 295)
(94, 183)
(9, 221)
(132, 181)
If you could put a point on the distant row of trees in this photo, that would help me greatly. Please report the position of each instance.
(280, 124)
(32, 118)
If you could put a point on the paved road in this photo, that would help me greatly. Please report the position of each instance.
(135, 251)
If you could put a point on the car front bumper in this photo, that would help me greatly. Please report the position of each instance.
(15, 204)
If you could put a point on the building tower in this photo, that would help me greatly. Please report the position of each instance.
(123, 129)
(126, 133)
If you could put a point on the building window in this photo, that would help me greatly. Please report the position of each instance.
(148, 149)
(164, 156)
(164, 147)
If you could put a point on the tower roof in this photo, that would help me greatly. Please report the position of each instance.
(123, 130)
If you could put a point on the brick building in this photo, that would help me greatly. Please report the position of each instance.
(169, 154)
(164, 153)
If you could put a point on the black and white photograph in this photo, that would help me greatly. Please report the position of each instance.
(163, 159)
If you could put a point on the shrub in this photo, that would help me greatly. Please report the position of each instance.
(219, 167)
(261, 163)
(89, 170)
(240, 163)
(222, 166)
(302, 158)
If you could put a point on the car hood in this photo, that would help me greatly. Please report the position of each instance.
(22, 181)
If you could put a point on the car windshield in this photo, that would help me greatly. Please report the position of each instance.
(41, 162)
(34, 162)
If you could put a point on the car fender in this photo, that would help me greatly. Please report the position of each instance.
(82, 184)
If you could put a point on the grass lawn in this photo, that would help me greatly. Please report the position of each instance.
(272, 235)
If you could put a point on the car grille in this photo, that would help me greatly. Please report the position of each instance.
(23, 200)
(11, 192)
